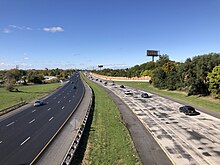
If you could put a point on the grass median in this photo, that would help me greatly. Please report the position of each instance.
(109, 140)
(203, 102)
(28, 93)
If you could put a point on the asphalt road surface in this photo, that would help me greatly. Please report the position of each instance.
(24, 135)
(185, 139)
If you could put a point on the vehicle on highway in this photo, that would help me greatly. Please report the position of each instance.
(144, 95)
(188, 110)
(105, 82)
(122, 86)
(38, 103)
(128, 93)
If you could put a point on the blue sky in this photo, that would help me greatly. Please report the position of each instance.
(38, 34)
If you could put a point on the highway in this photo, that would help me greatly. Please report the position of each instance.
(24, 135)
(185, 139)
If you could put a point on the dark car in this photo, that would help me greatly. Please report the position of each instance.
(144, 95)
(122, 86)
(38, 103)
(188, 110)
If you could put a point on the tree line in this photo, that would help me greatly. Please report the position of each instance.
(199, 75)
(9, 78)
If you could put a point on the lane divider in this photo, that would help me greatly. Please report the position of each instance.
(25, 141)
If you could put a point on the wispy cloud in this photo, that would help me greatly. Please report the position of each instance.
(20, 27)
(11, 28)
(53, 29)
(6, 30)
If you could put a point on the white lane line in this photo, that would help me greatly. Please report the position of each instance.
(64, 97)
(49, 109)
(69, 101)
(31, 121)
(73, 96)
(58, 102)
(0, 142)
(51, 119)
(54, 98)
(10, 124)
(63, 107)
(25, 141)
(33, 110)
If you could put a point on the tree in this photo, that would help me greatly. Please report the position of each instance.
(214, 81)
(158, 78)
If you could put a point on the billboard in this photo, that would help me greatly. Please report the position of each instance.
(152, 53)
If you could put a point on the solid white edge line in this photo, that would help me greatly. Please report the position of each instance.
(25, 141)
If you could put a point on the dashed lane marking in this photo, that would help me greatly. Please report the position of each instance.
(10, 124)
(51, 119)
(33, 110)
(58, 102)
(31, 121)
(69, 101)
(25, 141)
(49, 109)
(0, 142)
(63, 107)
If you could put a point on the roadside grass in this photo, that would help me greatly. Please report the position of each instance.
(203, 102)
(109, 140)
(28, 93)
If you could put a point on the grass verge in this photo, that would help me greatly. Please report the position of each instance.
(203, 102)
(28, 93)
(109, 140)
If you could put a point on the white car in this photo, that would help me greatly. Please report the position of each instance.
(38, 103)
(128, 93)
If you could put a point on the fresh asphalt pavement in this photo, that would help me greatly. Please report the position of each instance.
(185, 139)
(25, 134)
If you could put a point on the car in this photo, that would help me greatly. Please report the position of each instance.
(105, 82)
(144, 95)
(188, 110)
(128, 93)
(38, 103)
(74, 87)
(122, 86)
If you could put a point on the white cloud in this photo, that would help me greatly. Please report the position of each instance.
(26, 58)
(53, 29)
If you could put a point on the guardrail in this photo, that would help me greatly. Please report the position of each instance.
(11, 108)
(73, 147)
